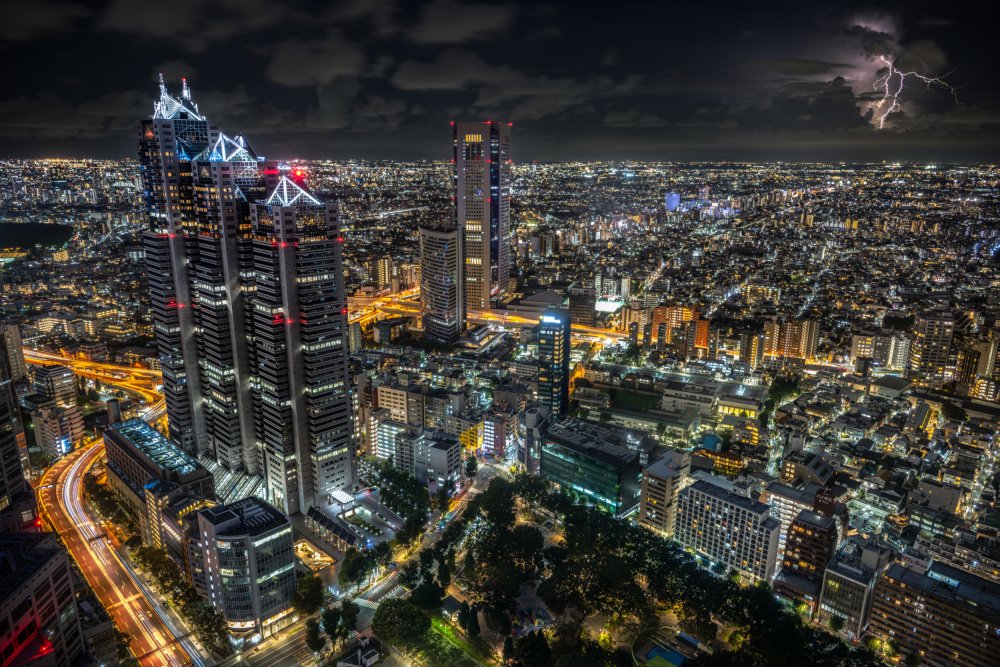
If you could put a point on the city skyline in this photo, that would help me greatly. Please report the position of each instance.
(384, 80)
(498, 335)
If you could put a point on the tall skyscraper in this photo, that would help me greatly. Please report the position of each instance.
(442, 284)
(15, 352)
(482, 207)
(553, 360)
(13, 487)
(300, 356)
(249, 310)
(168, 141)
(673, 201)
(929, 351)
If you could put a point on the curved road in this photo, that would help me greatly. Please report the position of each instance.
(61, 502)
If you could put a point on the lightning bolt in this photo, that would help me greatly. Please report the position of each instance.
(892, 98)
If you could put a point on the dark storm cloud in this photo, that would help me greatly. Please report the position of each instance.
(795, 67)
(587, 79)
(297, 62)
(922, 56)
(194, 25)
(21, 21)
(450, 22)
(532, 97)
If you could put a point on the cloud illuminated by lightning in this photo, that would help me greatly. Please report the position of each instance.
(892, 91)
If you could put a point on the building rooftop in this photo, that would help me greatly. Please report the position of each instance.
(150, 442)
(815, 519)
(254, 516)
(663, 467)
(600, 441)
(710, 489)
(947, 581)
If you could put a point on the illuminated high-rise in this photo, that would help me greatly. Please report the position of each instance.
(442, 284)
(929, 351)
(553, 360)
(13, 487)
(249, 310)
(481, 153)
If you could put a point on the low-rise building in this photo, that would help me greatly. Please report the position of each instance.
(680, 396)
(139, 457)
(849, 584)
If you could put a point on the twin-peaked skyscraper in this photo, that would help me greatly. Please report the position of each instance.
(246, 281)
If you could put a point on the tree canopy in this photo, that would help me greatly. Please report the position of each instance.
(400, 622)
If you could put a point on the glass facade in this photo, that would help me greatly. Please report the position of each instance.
(607, 484)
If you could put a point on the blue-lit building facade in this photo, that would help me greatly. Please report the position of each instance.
(553, 360)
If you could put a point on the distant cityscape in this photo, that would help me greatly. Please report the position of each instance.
(480, 412)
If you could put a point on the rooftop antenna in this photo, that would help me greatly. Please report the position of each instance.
(163, 87)
(185, 91)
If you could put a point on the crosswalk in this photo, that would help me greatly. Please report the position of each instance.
(368, 604)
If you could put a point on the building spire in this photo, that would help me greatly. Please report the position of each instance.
(185, 91)
(163, 87)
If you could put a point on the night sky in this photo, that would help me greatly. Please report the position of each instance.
(583, 80)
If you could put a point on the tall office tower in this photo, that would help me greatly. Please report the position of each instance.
(673, 201)
(930, 349)
(13, 487)
(300, 352)
(791, 338)
(244, 269)
(15, 352)
(703, 192)
(168, 141)
(442, 284)
(553, 360)
(481, 153)
(222, 275)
